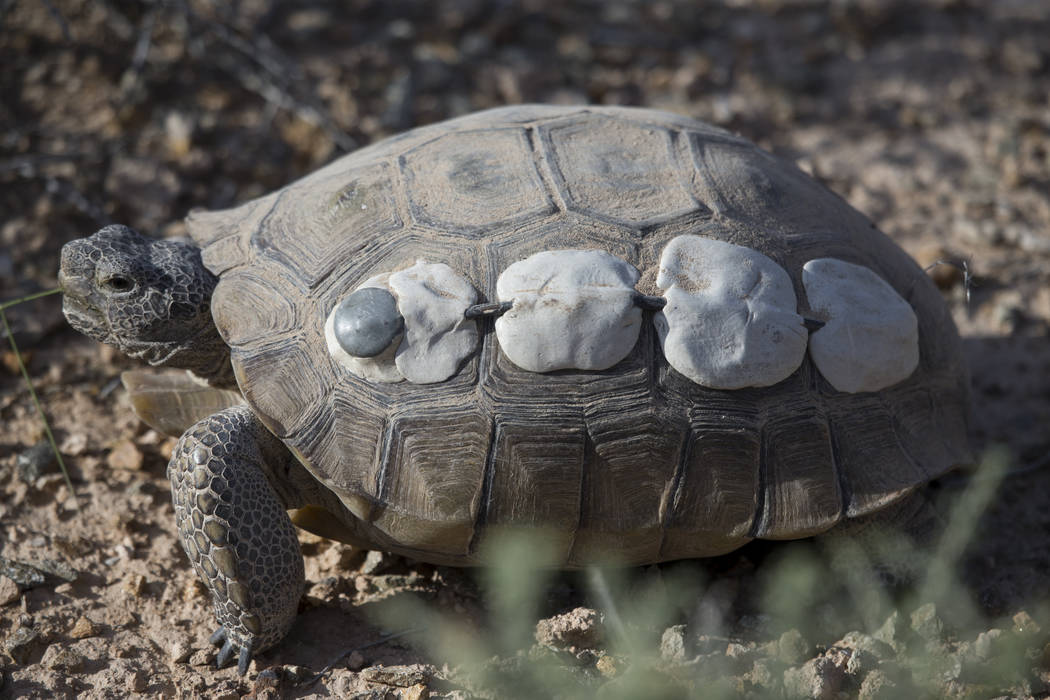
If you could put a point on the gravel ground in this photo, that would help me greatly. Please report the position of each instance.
(933, 118)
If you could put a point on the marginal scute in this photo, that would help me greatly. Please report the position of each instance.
(870, 339)
(730, 321)
(572, 309)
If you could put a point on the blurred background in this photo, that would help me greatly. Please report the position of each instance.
(932, 117)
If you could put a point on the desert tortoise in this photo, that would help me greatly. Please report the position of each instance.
(627, 331)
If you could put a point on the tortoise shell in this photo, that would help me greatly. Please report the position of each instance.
(636, 460)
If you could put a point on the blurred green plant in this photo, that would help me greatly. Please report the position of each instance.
(29, 384)
(834, 620)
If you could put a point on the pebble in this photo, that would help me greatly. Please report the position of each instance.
(878, 686)
(9, 592)
(375, 562)
(202, 657)
(134, 585)
(21, 643)
(180, 652)
(398, 676)
(818, 678)
(607, 666)
(580, 628)
(35, 461)
(125, 454)
(859, 641)
(356, 661)
(135, 681)
(416, 692)
(74, 445)
(1025, 625)
(59, 658)
(792, 647)
(83, 628)
(926, 623)
(673, 643)
(43, 573)
(987, 643)
(890, 631)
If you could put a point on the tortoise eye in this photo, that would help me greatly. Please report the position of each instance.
(117, 284)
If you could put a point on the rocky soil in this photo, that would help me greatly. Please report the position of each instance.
(933, 118)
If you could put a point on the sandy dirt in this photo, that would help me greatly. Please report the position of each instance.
(932, 118)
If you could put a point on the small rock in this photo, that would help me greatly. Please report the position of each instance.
(581, 628)
(35, 461)
(926, 623)
(416, 692)
(180, 652)
(202, 657)
(356, 661)
(399, 676)
(1025, 625)
(135, 681)
(267, 685)
(792, 647)
(193, 591)
(375, 562)
(59, 658)
(859, 641)
(74, 445)
(607, 666)
(9, 592)
(134, 585)
(877, 686)
(83, 628)
(891, 631)
(125, 455)
(45, 572)
(818, 678)
(673, 644)
(763, 673)
(987, 642)
(21, 643)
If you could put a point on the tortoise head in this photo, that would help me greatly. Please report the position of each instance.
(149, 298)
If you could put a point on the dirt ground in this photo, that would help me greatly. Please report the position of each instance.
(932, 118)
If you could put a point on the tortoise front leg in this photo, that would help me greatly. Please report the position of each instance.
(236, 531)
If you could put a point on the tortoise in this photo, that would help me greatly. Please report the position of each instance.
(627, 332)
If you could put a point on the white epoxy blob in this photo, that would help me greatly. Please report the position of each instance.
(572, 309)
(871, 338)
(731, 318)
(432, 299)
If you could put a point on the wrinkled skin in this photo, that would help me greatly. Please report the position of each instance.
(149, 298)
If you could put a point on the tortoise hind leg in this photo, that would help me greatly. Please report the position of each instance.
(235, 530)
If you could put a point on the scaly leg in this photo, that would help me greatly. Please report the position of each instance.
(236, 531)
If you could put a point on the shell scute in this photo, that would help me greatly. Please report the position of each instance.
(617, 170)
(469, 182)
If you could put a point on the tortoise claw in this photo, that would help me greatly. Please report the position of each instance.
(244, 659)
(225, 654)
